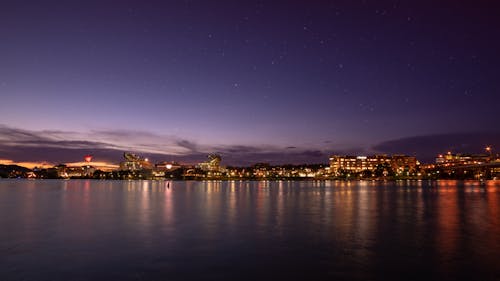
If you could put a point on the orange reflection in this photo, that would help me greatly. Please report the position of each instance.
(448, 221)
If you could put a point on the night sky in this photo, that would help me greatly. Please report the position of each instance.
(256, 81)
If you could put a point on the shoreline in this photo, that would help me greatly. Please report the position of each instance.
(258, 180)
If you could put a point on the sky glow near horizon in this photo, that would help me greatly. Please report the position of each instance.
(254, 80)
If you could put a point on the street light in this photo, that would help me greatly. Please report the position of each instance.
(488, 149)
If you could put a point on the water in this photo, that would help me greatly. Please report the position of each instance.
(154, 230)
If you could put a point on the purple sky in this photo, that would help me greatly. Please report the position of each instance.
(274, 81)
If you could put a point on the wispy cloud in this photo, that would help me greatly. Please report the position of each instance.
(29, 146)
(62, 146)
(141, 141)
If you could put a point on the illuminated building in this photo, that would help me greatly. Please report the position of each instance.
(163, 168)
(400, 163)
(64, 171)
(450, 159)
(167, 166)
(212, 165)
(134, 163)
(357, 164)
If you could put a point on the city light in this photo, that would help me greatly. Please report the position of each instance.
(347, 167)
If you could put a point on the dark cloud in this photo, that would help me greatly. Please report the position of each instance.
(50, 146)
(23, 145)
(118, 134)
(248, 156)
(238, 149)
(9, 134)
(189, 145)
(56, 154)
(427, 147)
(61, 147)
(64, 144)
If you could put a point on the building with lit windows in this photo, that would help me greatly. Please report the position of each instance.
(357, 164)
(212, 164)
(162, 169)
(64, 171)
(400, 163)
(450, 159)
(134, 163)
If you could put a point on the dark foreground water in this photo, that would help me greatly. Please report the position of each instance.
(146, 230)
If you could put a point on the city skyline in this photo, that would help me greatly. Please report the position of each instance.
(109, 155)
(278, 82)
(384, 167)
(249, 140)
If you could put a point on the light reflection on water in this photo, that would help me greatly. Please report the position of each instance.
(168, 230)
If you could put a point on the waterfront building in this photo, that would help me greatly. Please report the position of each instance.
(162, 169)
(167, 166)
(134, 163)
(356, 164)
(401, 163)
(340, 164)
(450, 159)
(64, 171)
(212, 164)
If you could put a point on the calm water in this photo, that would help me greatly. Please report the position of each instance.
(146, 230)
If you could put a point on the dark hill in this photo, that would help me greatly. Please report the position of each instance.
(12, 171)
